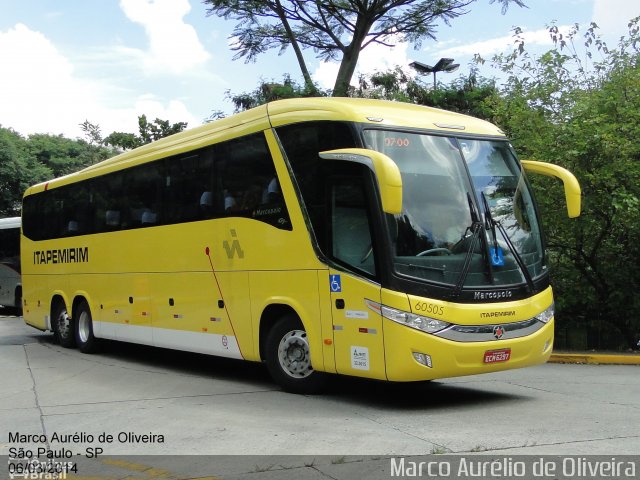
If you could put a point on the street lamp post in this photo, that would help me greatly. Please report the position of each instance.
(443, 65)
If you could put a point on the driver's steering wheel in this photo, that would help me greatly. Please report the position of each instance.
(432, 251)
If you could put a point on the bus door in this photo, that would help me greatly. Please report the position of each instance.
(357, 329)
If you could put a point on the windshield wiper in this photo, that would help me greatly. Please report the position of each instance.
(476, 227)
(493, 223)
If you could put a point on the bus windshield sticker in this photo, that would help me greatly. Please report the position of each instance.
(497, 257)
(335, 284)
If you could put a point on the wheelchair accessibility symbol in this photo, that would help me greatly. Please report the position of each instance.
(335, 284)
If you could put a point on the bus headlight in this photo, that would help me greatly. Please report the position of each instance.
(547, 314)
(424, 324)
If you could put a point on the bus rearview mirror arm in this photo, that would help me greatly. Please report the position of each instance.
(571, 185)
(386, 171)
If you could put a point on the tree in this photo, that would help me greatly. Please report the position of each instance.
(95, 146)
(148, 132)
(18, 170)
(270, 91)
(63, 155)
(471, 95)
(334, 29)
(92, 132)
(582, 111)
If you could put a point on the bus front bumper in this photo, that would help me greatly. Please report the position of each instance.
(412, 355)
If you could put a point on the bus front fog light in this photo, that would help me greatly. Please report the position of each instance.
(423, 359)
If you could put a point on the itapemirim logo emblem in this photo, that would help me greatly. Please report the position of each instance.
(234, 247)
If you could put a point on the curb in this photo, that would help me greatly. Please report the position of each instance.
(595, 359)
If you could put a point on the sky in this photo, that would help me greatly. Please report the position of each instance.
(108, 61)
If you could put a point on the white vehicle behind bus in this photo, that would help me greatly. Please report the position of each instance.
(10, 281)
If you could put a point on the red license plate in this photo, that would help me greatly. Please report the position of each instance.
(496, 356)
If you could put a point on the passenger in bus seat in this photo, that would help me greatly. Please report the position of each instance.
(112, 218)
(149, 217)
(251, 198)
(206, 204)
(272, 193)
(230, 202)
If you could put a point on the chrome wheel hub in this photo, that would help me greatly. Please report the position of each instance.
(64, 324)
(293, 354)
(84, 327)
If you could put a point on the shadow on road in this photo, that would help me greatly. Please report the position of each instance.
(423, 396)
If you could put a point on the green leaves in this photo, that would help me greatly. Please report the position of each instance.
(18, 169)
(578, 106)
(148, 132)
(334, 29)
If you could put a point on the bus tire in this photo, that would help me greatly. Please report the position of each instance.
(63, 330)
(85, 340)
(288, 357)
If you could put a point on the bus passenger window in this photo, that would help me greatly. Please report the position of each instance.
(302, 142)
(189, 192)
(245, 170)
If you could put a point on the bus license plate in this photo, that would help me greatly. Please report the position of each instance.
(495, 356)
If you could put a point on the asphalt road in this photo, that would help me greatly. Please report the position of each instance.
(133, 400)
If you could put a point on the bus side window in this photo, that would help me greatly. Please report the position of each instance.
(143, 195)
(189, 192)
(77, 213)
(247, 177)
(301, 143)
(107, 200)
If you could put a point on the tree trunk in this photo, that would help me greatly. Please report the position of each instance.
(345, 73)
(350, 55)
(296, 48)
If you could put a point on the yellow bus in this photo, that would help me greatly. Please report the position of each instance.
(357, 237)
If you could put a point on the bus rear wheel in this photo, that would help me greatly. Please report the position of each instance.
(86, 341)
(288, 357)
(63, 330)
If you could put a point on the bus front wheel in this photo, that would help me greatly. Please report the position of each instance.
(63, 330)
(288, 357)
(86, 341)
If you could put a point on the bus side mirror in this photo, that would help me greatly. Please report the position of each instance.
(385, 169)
(571, 185)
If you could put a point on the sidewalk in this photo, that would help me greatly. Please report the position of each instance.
(596, 358)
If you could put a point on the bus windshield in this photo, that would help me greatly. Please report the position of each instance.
(468, 217)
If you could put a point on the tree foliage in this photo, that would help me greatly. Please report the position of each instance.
(18, 170)
(578, 105)
(334, 29)
(147, 132)
(270, 91)
(471, 95)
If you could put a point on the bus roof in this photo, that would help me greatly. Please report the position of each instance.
(12, 222)
(379, 112)
(283, 112)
